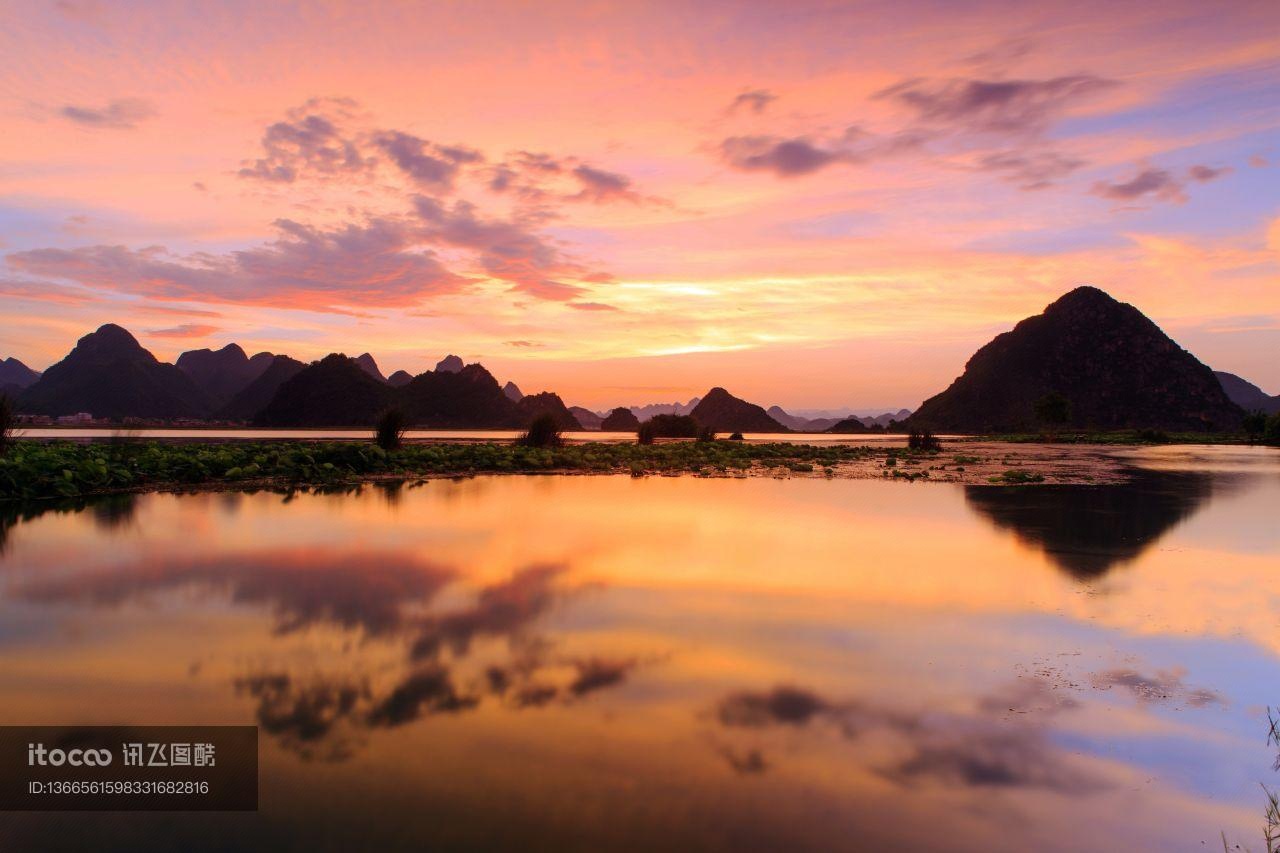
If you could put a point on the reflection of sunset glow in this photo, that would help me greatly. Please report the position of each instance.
(877, 651)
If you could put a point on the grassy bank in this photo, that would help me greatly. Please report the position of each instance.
(1118, 437)
(33, 470)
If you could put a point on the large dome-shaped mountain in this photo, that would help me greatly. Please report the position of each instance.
(723, 412)
(109, 375)
(1115, 367)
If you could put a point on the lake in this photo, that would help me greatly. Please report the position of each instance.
(348, 434)
(579, 662)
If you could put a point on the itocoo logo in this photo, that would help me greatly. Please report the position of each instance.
(37, 754)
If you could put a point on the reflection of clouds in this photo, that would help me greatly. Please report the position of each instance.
(305, 587)
(428, 690)
(598, 673)
(305, 715)
(386, 595)
(779, 706)
(975, 749)
(504, 608)
(1163, 686)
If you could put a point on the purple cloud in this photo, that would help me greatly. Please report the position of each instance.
(311, 141)
(998, 106)
(755, 100)
(600, 186)
(122, 114)
(371, 264)
(783, 157)
(1030, 170)
(427, 164)
(1160, 184)
(508, 249)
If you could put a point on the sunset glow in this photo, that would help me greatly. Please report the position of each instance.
(812, 204)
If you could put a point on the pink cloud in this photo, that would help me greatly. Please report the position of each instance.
(186, 330)
(309, 268)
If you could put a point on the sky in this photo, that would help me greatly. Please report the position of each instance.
(812, 204)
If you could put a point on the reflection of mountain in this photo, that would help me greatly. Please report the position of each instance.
(1086, 530)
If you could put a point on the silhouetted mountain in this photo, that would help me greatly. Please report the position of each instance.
(334, 391)
(620, 420)
(449, 364)
(547, 403)
(223, 373)
(677, 408)
(801, 424)
(399, 379)
(369, 366)
(110, 375)
(255, 396)
(1113, 365)
(586, 417)
(1087, 530)
(1246, 395)
(849, 425)
(469, 398)
(512, 391)
(15, 376)
(723, 412)
(887, 418)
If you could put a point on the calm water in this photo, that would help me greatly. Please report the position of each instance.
(606, 663)
(96, 433)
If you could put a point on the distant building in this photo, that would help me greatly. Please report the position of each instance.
(77, 418)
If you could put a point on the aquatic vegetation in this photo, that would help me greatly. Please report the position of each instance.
(67, 470)
(1017, 477)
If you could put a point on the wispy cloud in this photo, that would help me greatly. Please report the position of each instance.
(121, 114)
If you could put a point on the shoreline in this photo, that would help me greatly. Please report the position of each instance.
(39, 470)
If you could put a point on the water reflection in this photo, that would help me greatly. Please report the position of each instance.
(1088, 530)
(728, 664)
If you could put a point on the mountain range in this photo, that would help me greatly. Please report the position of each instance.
(1111, 366)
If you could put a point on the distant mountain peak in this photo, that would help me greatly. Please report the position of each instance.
(723, 412)
(369, 366)
(14, 375)
(109, 374)
(450, 364)
(513, 392)
(109, 339)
